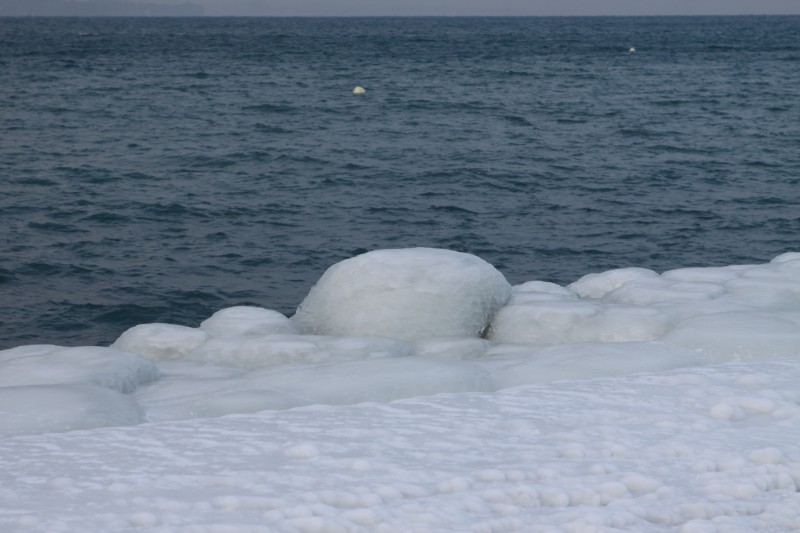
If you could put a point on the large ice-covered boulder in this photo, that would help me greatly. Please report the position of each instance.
(406, 294)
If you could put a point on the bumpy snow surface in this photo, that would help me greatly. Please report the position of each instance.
(627, 401)
(700, 450)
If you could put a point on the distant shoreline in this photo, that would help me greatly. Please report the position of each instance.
(98, 8)
(211, 16)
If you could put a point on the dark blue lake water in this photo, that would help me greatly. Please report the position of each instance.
(157, 170)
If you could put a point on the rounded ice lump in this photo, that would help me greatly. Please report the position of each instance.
(406, 294)
(160, 341)
(247, 320)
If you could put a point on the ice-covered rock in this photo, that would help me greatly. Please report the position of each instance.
(540, 291)
(545, 322)
(406, 294)
(598, 284)
(160, 341)
(247, 320)
(788, 257)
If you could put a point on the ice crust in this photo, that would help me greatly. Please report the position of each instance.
(54, 365)
(46, 388)
(394, 324)
(35, 409)
(701, 449)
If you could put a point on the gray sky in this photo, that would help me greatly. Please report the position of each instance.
(496, 7)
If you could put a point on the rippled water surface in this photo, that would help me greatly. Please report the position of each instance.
(156, 170)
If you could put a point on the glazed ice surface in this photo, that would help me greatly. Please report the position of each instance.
(392, 324)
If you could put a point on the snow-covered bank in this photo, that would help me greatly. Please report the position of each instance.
(395, 324)
(707, 449)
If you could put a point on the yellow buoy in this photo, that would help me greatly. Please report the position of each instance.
(359, 90)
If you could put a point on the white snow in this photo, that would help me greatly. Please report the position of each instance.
(644, 453)
(627, 401)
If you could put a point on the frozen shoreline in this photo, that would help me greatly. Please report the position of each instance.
(696, 450)
(334, 429)
(393, 324)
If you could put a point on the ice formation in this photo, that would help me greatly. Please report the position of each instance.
(393, 324)
(54, 365)
(46, 388)
(160, 341)
(36, 409)
(245, 320)
(407, 294)
(626, 401)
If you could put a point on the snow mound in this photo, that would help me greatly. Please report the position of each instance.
(406, 294)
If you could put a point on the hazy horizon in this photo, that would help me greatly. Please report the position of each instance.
(322, 8)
